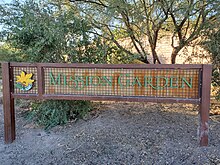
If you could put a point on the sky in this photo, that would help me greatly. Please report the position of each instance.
(2, 2)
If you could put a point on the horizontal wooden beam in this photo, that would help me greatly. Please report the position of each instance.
(107, 98)
(109, 66)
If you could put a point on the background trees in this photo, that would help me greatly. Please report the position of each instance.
(212, 44)
(48, 32)
(145, 20)
(75, 30)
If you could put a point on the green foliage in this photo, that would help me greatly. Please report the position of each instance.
(117, 56)
(42, 31)
(57, 112)
(141, 20)
(47, 32)
(6, 54)
(213, 46)
(216, 82)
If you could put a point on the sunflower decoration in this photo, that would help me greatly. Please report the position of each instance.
(24, 81)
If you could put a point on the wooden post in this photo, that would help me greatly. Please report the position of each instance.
(205, 105)
(8, 104)
(40, 81)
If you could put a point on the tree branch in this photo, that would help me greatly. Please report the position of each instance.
(100, 3)
(131, 34)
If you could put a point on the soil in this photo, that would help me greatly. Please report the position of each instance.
(116, 133)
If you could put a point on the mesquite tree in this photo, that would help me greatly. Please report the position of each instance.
(142, 20)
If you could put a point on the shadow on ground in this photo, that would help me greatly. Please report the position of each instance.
(116, 133)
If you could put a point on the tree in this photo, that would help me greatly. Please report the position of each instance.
(190, 19)
(212, 44)
(47, 32)
(142, 19)
(131, 17)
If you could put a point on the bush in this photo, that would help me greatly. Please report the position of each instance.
(41, 31)
(212, 44)
(216, 82)
(50, 113)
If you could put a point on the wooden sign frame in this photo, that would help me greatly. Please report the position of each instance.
(10, 72)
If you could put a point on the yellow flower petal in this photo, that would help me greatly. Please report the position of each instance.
(22, 74)
(18, 78)
(25, 79)
(29, 75)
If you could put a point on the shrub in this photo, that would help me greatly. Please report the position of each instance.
(50, 113)
(41, 31)
(212, 44)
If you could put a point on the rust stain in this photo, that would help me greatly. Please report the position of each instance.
(181, 91)
(136, 87)
(115, 85)
(68, 77)
(142, 74)
(193, 92)
(98, 73)
(164, 91)
(197, 85)
(85, 74)
(153, 73)
(98, 89)
(177, 92)
(51, 90)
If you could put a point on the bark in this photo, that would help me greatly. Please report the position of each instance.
(174, 54)
(155, 56)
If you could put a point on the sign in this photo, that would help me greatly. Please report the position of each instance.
(124, 82)
(24, 81)
(156, 83)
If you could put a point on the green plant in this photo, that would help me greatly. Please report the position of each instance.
(216, 82)
(57, 112)
(48, 31)
(212, 45)
(139, 22)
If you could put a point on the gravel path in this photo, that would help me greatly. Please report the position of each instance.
(116, 134)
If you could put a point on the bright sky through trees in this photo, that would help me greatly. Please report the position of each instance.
(5, 1)
(2, 2)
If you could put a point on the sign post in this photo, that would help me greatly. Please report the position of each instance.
(8, 104)
(140, 83)
(204, 105)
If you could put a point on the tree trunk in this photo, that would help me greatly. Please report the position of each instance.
(174, 54)
(154, 54)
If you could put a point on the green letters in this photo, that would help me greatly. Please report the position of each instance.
(159, 81)
(174, 82)
(79, 82)
(120, 80)
(136, 81)
(92, 78)
(53, 81)
(184, 81)
(105, 81)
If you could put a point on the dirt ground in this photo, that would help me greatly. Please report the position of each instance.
(116, 134)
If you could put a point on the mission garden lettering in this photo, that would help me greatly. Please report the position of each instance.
(78, 82)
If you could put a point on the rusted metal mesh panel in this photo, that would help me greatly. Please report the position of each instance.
(178, 83)
(17, 71)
